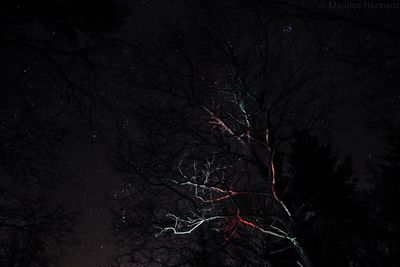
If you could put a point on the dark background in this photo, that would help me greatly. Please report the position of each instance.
(76, 77)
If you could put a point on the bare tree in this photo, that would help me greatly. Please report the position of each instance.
(49, 64)
(216, 111)
(30, 226)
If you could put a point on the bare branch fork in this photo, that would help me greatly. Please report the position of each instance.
(210, 194)
(215, 120)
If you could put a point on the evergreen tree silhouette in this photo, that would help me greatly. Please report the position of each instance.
(320, 192)
(387, 199)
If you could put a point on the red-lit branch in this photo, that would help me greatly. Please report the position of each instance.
(208, 194)
(187, 225)
(222, 125)
(223, 194)
(216, 121)
(273, 173)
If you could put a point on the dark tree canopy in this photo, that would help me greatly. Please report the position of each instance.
(45, 47)
(225, 121)
(321, 191)
(386, 198)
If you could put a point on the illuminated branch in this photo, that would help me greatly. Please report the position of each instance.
(218, 121)
(190, 224)
(273, 173)
(186, 226)
(199, 183)
(207, 193)
(225, 193)
(222, 125)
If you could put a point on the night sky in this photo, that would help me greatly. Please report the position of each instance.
(97, 99)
